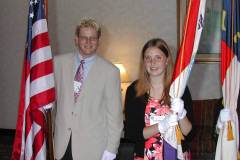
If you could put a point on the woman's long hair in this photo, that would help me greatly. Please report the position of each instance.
(144, 84)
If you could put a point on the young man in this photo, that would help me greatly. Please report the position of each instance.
(89, 116)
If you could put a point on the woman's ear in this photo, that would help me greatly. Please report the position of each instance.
(166, 61)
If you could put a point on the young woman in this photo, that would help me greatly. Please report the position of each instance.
(147, 103)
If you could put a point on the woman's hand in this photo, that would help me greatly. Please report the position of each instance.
(177, 106)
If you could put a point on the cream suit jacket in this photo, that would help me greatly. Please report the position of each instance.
(95, 121)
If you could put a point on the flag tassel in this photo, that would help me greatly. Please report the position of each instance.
(179, 134)
(229, 131)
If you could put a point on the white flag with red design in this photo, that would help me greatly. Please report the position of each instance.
(185, 59)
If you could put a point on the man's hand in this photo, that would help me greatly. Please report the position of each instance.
(108, 155)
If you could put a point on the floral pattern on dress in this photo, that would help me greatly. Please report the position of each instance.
(154, 145)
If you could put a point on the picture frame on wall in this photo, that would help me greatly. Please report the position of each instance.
(210, 43)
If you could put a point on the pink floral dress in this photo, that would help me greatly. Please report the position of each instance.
(155, 111)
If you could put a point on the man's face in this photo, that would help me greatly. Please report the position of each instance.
(87, 41)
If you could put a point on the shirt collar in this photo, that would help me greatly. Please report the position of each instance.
(87, 60)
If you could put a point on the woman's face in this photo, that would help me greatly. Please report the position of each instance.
(155, 62)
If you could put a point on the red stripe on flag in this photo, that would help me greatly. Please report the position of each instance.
(31, 112)
(185, 53)
(39, 118)
(42, 99)
(19, 128)
(40, 41)
(38, 142)
(28, 122)
(226, 57)
(41, 69)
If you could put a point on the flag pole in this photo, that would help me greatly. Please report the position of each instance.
(46, 8)
(49, 132)
(50, 154)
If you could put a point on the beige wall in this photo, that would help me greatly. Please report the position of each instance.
(13, 19)
(127, 25)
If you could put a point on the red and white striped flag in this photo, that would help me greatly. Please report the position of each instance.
(37, 88)
(192, 32)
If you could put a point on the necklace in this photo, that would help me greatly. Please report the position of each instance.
(153, 98)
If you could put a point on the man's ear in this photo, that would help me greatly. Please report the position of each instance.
(76, 41)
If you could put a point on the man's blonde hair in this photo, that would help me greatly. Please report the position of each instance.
(88, 23)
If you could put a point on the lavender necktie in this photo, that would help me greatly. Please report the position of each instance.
(78, 80)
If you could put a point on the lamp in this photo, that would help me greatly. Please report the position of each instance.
(124, 81)
(123, 73)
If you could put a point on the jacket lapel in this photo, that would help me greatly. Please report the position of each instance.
(69, 68)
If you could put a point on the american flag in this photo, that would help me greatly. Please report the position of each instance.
(227, 146)
(37, 88)
(192, 32)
